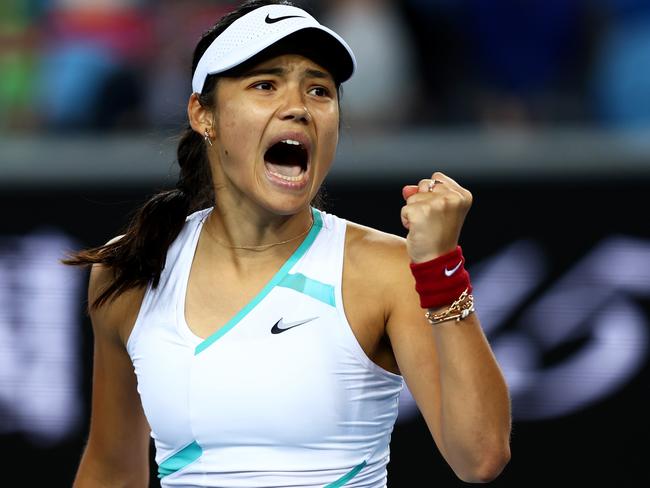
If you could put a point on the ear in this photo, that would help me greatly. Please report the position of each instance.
(201, 118)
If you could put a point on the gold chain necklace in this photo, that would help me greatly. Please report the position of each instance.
(261, 247)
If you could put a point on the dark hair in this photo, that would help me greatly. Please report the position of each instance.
(138, 257)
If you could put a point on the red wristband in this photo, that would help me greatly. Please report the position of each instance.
(442, 280)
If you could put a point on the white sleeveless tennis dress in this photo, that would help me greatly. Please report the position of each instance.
(282, 395)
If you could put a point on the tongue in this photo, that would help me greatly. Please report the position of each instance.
(284, 169)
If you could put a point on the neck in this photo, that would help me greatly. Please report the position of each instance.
(256, 233)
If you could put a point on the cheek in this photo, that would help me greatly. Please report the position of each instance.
(330, 138)
(238, 132)
(232, 122)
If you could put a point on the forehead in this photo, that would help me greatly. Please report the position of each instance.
(288, 64)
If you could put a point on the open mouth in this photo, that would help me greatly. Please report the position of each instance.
(287, 160)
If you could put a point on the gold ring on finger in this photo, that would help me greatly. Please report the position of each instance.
(433, 183)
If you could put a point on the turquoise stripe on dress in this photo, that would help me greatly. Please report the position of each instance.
(347, 477)
(182, 458)
(279, 276)
(315, 289)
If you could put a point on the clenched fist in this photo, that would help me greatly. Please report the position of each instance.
(434, 214)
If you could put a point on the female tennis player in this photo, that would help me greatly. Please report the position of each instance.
(260, 341)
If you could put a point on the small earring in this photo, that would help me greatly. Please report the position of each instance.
(206, 136)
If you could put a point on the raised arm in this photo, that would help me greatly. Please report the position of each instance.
(449, 367)
(117, 452)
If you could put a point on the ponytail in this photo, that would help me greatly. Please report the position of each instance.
(137, 258)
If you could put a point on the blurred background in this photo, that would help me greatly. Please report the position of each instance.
(540, 107)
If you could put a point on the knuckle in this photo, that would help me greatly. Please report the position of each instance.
(450, 201)
(439, 204)
(419, 197)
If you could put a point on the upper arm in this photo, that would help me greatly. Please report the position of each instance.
(118, 442)
(410, 335)
(401, 318)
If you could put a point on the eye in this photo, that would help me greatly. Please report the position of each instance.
(320, 91)
(263, 85)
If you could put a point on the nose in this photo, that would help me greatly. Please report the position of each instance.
(294, 108)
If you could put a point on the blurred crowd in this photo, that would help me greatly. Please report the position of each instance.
(124, 65)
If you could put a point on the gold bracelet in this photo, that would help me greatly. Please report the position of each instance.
(458, 310)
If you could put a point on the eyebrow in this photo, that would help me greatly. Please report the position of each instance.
(311, 73)
(316, 73)
(264, 71)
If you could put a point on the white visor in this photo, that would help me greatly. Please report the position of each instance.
(260, 29)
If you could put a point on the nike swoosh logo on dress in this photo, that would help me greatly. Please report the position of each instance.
(269, 20)
(282, 326)
(449, 272)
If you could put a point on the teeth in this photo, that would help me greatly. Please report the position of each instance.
(291, 141)
(287, 178)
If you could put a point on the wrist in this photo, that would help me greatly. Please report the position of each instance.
(442, 280)
(429, 257)
(432, 254)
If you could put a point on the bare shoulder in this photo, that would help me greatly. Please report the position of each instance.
(115, 317)
(369, 248)
(376, 279)
(378, 263)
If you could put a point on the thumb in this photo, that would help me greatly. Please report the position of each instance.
(409, 190)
